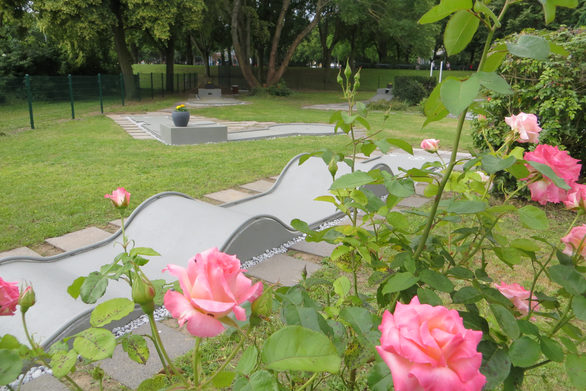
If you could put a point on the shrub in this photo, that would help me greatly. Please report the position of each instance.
(384, 105)
(279, 89)
(551, 89)
(412, 89)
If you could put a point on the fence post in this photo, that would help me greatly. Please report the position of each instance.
(70, 82)
(122, 88)
(100, 93)
(152, 88)
(29, 96)
(162, 85)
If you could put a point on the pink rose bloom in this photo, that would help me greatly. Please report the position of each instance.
(525, 125)
(8, 297)
(519, 296)
(576, 198)
(561, 163)
(431, 145)
(428, 349)
(576, 241)
(119, 197)
(213, 286)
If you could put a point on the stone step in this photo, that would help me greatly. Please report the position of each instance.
(19, 252)
(74, 240)
(228, 195)
(282, 269)
(259, 186)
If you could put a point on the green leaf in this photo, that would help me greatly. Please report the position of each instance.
(461, 272)
(307, 317)
(457, 95)
(525, 244)
(508, 255)
(558, 49)
(360, 320)
(529, 46)
(379, 378)
(552, 349)
(295, 348)
(524, 352)
(550, 5)
(136, 347)
(404, 145)
(546, 170)
(95, 344)
(479, 6)
(342, 286)
(156, 383)
(494, 82)
(576, 369)
(493, 164)
(436, 280)
(74, 288)
(496, 368)
(428, 296)
(223, 379)
(111, 310)
(467, 206)
(569, 278)
(579, 307)
(401, 188)
(339, 251)
(248, 361)
(495, 58)
(10, 366)
(467, 295)
(443, 9)
(399, 282)
(459, 32)
(518, 170)
(353, 180)
(144, 251)
(261, 380)
(533, 217)
(434, 109)
(62, 362)
(506, 320)
(93, 287)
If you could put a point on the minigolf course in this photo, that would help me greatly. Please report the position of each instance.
(178, 227)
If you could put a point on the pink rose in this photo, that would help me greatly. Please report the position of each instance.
(576, 198)
(525, 125)
(576, 241)
(8, 297)
(519, 296)
(120, 197)
(428, 349)
(561, 163)
(431, 145)
(213, 286)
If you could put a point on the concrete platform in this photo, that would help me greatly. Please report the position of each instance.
(259, 186)
(78, 239)
(282, 269)
(321, 249)
(44, 383)
(193, 134)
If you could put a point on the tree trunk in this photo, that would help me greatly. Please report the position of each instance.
(170, 61)
(274, 75)
(206, 54)
(189, 51)
(124, 56)
(243, 62)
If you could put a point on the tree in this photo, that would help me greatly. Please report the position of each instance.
(165, 22)
(281, 52)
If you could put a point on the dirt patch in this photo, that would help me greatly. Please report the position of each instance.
(45, 249)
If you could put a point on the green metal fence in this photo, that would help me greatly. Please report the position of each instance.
(26, 100)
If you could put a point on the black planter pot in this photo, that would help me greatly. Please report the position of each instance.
(180, 118)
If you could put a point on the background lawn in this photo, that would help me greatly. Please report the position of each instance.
(54, 177)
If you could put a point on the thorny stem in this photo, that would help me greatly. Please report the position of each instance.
(563, 320)
(311, 379)
(161, 348)
(196, 361)
(535, 278)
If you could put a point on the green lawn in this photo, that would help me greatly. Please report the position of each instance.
(54, 177)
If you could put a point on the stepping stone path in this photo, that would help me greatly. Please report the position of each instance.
(130, 127)
(281, 269)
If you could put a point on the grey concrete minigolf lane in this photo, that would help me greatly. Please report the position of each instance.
(178, 227)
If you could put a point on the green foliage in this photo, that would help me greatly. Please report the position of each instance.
(412, 89)
(552, 89)
(279, 89)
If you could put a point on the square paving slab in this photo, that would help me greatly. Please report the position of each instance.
(227, 195)
(282, 269)
(321, 249)
(74, 240)
(19, 252)
(259, 186)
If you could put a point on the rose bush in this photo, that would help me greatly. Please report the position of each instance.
(428, 348)
(213, 286)
(525, 126)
